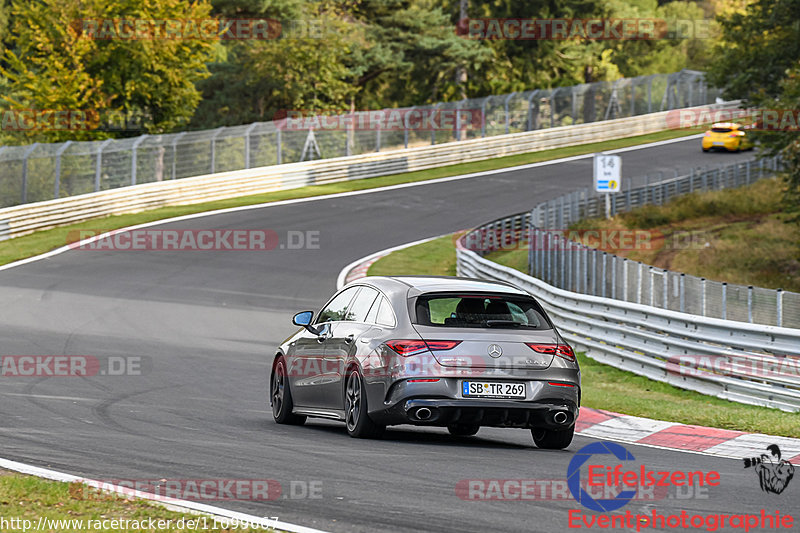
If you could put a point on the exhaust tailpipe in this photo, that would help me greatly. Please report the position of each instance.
(423, 413)
(560, 417)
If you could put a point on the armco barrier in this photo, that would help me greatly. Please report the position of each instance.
(23, 219)
(746, 363)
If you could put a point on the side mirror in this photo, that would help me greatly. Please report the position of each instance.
(303, 318)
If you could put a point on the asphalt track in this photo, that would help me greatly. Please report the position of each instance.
(206, 324)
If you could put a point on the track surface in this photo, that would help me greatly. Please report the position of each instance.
(208, 323)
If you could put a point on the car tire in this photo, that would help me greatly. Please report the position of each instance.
(463, 430)
(705, 149)
(281, 397)
(552, 439)
(359, 424)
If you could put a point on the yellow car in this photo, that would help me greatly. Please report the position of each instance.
(728, 136)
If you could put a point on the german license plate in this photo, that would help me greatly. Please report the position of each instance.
(718, 143)
(492, 389)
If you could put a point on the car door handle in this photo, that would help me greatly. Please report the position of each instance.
(350, 338)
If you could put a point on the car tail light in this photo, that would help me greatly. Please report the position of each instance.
(409, 347)
(733, 135)
(708, 134)
(424, 380)
(561, 350)
(559, 384)
(442, 345)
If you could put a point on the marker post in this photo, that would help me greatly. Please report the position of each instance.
(607, 176)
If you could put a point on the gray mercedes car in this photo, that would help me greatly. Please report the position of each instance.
(429, 351)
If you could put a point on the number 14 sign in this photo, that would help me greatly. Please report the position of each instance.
(607, 172)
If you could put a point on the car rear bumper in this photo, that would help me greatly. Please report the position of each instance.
(494, 413)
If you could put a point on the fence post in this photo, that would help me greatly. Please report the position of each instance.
(703, 295)
(585, 276)
(99, 164)
(25, 156)
(750, 303)
(563, 261)
(724, 301)
(134, 149)
(531, 124)
(278, 147)
(508, 115)
(594, 272)
(652, 288)
(175, 152)
(568, 261)
(57, 184)
(247, 144)
(779, 306)
(214, 149)
(665, 288)
(531, 255)
(433, 131)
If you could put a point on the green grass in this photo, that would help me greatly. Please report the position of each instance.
(43, 241)
(605, 387)
(29, 498)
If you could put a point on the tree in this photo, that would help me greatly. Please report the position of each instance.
(55, 63)
(758, 61)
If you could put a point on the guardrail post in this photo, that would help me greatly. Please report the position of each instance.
(691, 180)
(134, 150)
(624, 279)
(98, 167)
(703, 295)
(683, 293)
(724, 301)
(247, 144)
(57, 184)
(779, 307)
(603, 276)
(750, 303)
(652, 288)
(665, 288)
(639, 283)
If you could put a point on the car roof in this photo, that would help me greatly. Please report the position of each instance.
(423, 284)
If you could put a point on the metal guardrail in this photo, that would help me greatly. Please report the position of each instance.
(42, 171)
(573, 266)
(722, 358)
(23, 219)
(600, 305)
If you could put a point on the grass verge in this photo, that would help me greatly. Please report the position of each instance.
(605, 387)
(67, 507)
(44, 241)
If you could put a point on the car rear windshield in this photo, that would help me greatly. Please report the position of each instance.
(480, 311)
(721, 130)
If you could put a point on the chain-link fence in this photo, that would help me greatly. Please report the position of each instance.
(39, 171)
(571, 260)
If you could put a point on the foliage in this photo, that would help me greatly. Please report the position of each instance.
(758, 61)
